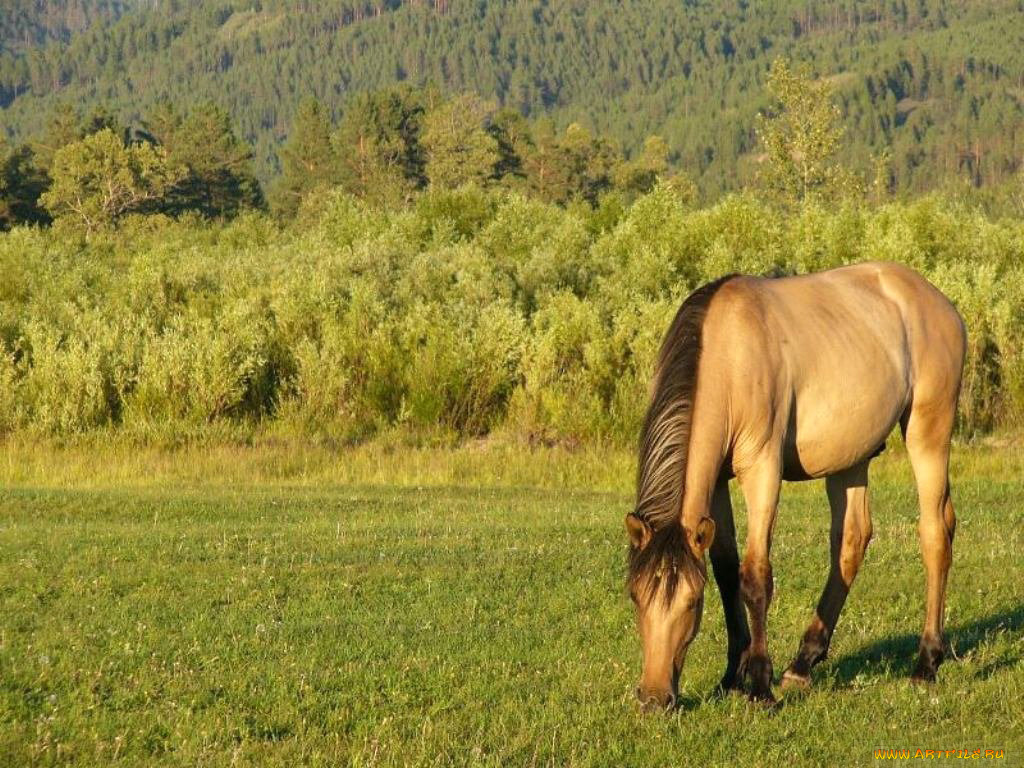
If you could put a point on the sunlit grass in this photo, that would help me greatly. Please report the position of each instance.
(288, 605)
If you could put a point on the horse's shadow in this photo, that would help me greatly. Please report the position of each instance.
(895, 655)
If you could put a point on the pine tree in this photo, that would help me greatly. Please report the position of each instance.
(307, 159)
(547, 166)
(377, 145)
(219, 181)
(21, 184)
(515, 142)
(641, 174)
(591, 164)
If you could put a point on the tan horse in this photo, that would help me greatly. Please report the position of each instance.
(766, 379)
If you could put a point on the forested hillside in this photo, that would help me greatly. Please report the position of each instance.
(940, 83)
(27, 24)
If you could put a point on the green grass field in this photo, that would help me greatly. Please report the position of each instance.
(296, 606)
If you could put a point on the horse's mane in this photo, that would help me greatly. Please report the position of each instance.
(666, 434)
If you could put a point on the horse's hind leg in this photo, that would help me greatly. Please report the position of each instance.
(726, 564)
(927, 434)
(851, 531)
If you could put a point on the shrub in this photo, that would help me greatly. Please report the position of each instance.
(473, 311)
(200, 369)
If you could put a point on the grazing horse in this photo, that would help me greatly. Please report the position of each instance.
(766, 379)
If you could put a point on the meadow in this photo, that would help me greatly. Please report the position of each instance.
(296, 604)
(350, 490)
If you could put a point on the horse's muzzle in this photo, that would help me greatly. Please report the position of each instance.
(652, 700)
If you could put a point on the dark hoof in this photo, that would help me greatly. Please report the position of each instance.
(759, 673)
(764, 697)
(728, 685)
(923, 678)
(927, 665)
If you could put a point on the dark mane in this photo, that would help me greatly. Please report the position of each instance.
(666, 434)
(666, 438)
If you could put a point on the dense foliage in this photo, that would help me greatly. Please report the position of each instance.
(937, 83)
(469, 313)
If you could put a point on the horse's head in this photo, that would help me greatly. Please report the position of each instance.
(666, 582)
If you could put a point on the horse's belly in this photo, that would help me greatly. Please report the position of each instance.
(830, 434)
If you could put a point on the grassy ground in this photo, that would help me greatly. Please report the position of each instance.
(292, 606)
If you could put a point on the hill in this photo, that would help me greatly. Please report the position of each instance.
(937, 82)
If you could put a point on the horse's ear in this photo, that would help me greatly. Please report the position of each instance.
(639, 531)
(703, 535)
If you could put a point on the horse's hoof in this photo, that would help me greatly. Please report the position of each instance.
(791, 681)
(923, 680)
(764, 697)
(724, 689)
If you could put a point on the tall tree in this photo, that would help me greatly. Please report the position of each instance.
(640, 174)
(21, 184)
(512, 132)
(546, 166)
(592, 162)
(219, 181)
(307, 159)
(378, 147)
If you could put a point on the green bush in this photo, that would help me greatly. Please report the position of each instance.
(474, 311)
(201, 369)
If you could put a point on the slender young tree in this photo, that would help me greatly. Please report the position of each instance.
(801, 139)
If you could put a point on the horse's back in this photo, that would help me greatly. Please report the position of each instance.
(839, 355)
(933, 333)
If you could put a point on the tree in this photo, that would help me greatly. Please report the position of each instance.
(458, 147)
(99, 179)
(801, 139)
(307, 159)
(512, 132)
(641, 174)
(377, 144)
(573, 166)
(219, 181)
(546, 167)
(592, 163)
(21, 184)
(162, 124)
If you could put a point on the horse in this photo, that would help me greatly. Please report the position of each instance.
(766, 379)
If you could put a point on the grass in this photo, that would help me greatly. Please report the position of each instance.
(286, 605)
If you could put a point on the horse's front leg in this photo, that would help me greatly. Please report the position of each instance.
(725, 562)
(761, 485)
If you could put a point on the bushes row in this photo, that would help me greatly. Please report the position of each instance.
(471, 313)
